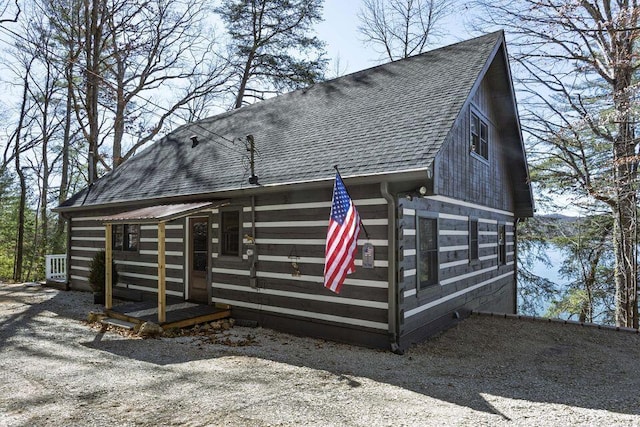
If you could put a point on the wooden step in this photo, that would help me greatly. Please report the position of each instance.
(122, 324)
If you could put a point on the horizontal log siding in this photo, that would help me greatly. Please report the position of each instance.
(137, 270)
(462, 285)
(293, 227)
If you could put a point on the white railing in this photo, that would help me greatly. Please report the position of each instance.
(56, 267)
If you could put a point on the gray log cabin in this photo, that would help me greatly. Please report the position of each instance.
(430, 149)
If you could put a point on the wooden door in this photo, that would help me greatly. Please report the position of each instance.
(198, 259)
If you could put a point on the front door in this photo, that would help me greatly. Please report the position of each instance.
(198, 259)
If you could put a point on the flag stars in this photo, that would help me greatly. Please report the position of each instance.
(341, 202)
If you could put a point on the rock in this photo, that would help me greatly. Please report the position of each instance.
(232, 322)
(172, 332)
(150, 329)
(206, 327)
(225, 325)
(93, 317)
(217, 325)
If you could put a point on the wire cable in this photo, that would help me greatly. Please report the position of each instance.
(12, 34)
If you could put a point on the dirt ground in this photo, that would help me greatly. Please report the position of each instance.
(55, 369)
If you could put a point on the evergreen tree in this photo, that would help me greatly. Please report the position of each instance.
(272, 45)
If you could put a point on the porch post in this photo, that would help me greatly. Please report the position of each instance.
(108, 257)
(161, 273)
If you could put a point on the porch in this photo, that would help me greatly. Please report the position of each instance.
(178, 313)
(56, 270)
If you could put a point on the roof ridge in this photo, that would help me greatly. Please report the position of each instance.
(350, 75)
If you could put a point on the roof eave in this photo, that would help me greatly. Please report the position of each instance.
(417, 174)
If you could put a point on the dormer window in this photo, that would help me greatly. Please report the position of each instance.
(479, 131)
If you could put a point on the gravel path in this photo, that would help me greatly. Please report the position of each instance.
(55, 369)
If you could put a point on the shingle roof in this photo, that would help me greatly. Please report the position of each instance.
(389, 118)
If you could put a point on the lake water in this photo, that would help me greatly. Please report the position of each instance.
(556, 257)
(551, 273)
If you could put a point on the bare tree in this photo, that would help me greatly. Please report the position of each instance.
(19, 253)
(577, 62)
(155, 46)
(9, 11)
(47, 99)
(401, 28)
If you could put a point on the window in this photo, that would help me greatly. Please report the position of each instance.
(230, 233)
(125, 237)
(479, 136)
(199, 242)
(473, 239)
(427, 251)
(502, 245)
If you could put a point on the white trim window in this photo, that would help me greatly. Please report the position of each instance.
(479, 135)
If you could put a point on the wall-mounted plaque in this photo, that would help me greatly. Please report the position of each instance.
(367, 255)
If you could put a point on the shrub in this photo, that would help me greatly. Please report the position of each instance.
(97, 272)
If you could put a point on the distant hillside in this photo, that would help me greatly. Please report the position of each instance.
(554, 225)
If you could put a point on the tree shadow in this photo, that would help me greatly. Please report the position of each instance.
(468, 365)
(499, 363)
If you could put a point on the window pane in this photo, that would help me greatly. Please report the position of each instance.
(427, 251)
(131, 237)
(199, 261)
(117, 237)
(200, 237)
(484, 132)
(484, 149)
(230, 233)
(474, 124)
(502, 245)
(484, 141)
(473, 239)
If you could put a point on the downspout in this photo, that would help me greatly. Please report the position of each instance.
(515, 265)
(394, 333)
(251, 250)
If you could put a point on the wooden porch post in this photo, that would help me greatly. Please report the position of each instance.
(108, 257)
(161, 273)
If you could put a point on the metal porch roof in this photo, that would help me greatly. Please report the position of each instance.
(161, 213)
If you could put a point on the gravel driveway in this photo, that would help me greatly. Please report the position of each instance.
(55, 369)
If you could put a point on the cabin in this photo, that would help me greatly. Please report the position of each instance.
(232, 211)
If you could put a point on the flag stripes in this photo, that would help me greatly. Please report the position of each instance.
(342, 237)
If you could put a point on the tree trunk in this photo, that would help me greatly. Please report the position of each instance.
(625, 271)
(17, 266)
(93, 38)
(624, 230)
(245, 78)
(42, 249)
(59, 243)
(121, 105)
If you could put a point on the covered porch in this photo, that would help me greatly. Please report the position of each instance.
(166, 311)
(178, 313)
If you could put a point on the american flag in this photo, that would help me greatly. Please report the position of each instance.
(342, 237)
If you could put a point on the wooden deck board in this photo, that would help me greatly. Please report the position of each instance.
(179, 314)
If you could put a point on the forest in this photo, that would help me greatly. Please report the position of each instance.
(88, 84)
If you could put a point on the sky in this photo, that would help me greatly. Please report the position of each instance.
(340, 32)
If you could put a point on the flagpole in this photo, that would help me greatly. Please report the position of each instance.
(366, 233)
